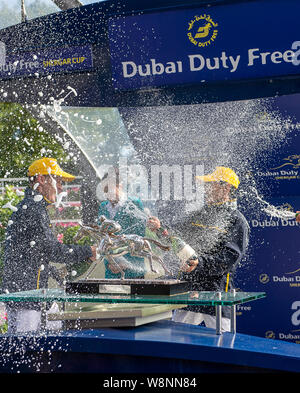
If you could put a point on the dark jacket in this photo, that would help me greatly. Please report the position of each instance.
(219, 234)
(31, 243)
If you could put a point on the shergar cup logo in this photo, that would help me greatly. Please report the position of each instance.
(202, 30)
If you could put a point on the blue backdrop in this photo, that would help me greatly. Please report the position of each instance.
(273, 263)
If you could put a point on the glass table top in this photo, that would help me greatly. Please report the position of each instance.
(189, 298)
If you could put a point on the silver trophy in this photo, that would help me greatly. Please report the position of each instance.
(112, 246)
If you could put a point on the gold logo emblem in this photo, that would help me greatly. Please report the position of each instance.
(293, 162)
(264, 278)
(202, 30)
(270, 334)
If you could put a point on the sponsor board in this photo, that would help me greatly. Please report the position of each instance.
(204, 45)
(293, 281)
(271, 223)
(272, 266)
(46, 62)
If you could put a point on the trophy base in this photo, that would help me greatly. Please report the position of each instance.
(127, 286)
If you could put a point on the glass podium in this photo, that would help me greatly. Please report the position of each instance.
(216, 299)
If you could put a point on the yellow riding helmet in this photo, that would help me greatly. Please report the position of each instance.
(48, 166)
(221, 173)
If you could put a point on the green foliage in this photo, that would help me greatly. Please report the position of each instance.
(69, 234)
(3, 328)
(23, 140)
(8, 196)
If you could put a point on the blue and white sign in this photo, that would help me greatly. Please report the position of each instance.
(233, 42)
(273, 264)
(47, 62)
(273, 267)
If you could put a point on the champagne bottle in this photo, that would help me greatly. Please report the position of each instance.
(182, 250)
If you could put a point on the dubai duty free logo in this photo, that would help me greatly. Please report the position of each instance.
(202, 30)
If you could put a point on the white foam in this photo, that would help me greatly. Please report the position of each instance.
(38, 198)
(59, 198)
(9, 205)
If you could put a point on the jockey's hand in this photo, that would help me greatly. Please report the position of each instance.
(189, 265)
(153, 223)
(94, 251)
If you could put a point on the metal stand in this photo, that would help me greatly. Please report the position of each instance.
(216, 299)
(218, 316)
(233, 317)
(43, 314)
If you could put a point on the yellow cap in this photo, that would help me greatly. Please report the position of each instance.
(48, 166)
(221, 173)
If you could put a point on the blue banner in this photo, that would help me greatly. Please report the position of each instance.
(278, 174)
(273, 266)
(273, 263)
(219, 43)
(47, 62)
